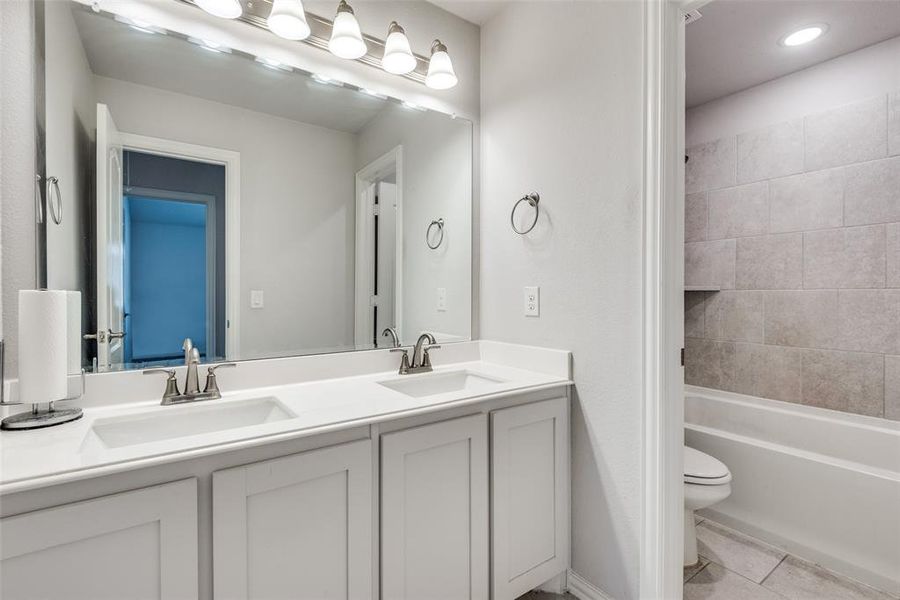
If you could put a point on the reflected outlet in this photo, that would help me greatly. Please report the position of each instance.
(532, 301)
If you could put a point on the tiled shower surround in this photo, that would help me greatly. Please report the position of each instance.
(799, 225)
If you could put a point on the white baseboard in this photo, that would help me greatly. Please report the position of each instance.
(582, 589)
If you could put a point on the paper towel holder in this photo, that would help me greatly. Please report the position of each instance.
(43, 414)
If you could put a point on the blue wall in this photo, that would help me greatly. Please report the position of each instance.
(166, 265)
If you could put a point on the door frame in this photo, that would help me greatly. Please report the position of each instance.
(389, 162)
(209, 201)
(231, 160)
(662, 503)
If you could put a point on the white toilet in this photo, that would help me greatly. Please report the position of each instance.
(706, 482)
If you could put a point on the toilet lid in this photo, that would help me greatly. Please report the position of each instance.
(703, 469)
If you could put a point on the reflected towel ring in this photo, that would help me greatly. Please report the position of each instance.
(55, 209)
(440, 226)
(532, 199)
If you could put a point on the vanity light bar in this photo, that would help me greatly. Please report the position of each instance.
(320, 36)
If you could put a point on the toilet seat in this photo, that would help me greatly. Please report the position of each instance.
(703, 469)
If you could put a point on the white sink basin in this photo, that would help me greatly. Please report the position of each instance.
(429, 384)
(167, 423)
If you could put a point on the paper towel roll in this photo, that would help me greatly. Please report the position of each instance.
(42, 345)
(73, 327)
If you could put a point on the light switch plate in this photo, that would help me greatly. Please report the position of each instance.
(442, 299)
(256, 299)
(532, 301)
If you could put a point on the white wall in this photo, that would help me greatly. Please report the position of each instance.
(561, 115)
(856, 76)
(437, 172)
(17, 167)
(297, 211)
(71, 120)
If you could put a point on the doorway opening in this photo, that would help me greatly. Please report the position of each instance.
(174, 257)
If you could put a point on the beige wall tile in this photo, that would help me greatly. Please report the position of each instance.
(771, 152)
(694, 314)
(769, 262)
(710, 263)
(808, 201)
(892, 249)
(767, 371)
(848, 134)
(892, 387)
(695, 217)
(894, 124)
(851, 257)
(708, 363)
(869, 320)
(846, 381)
(735, 316)
(739, 211)
(710, 166)
(803, 319)
(872, 193)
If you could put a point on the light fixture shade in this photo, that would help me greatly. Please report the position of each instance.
(440, 68)
(288, 20)
(398, 58)
(227, 9)
(346, 38)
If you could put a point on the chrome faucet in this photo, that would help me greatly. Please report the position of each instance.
(395, 339)
(192, 391)
(421, 361)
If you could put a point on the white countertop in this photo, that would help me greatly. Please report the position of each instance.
(42, 457)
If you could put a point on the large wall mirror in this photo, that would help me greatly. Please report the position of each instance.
(262, 211)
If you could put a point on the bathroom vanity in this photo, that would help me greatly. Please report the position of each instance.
(343, 479)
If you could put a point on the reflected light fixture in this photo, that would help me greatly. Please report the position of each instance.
(271, 63)
(398, 58)
(440, 68)
(227, 9)
(139, 25)
(346, 38)
(804, 35)
(288, 20)
(210, 45)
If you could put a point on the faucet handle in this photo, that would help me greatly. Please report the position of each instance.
(426, 359)
(211, 385)
(171, 381)
(404, 362)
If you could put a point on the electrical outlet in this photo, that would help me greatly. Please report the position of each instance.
(442, 299)
(256, 299)
(532, 301)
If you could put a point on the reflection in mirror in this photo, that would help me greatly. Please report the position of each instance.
(253, 207)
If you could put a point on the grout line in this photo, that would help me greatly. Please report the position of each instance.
(783, 558)
(698, 571)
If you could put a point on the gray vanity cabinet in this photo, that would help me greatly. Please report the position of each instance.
(434, 511)
(529, 496)
(137, 544)
(301, 524)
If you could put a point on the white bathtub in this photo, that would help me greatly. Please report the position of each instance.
(821, 484)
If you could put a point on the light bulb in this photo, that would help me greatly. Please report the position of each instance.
(227, 9)
(346, 38)
(398, 58)
(804, 36)
(288, 20)
(440, 68)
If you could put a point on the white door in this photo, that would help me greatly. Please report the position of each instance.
(295, 527)
(130, 546)
(530, 496)
(387, 260)
(434, 512)
(110, 246)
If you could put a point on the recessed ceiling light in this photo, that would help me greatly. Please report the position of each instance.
(210, 45)
(804, 35)
(273, 64)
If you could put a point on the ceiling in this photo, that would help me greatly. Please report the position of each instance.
(473, 11)
(166, 62)
(736, 44)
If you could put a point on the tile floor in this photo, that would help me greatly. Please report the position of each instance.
(734, 566)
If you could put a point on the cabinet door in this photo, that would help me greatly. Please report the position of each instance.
(295, 527)
(130, 546)
(530, 504)
(434, 512)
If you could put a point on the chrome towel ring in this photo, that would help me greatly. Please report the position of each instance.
(54, 208)
(440, 225)
(532, 199)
